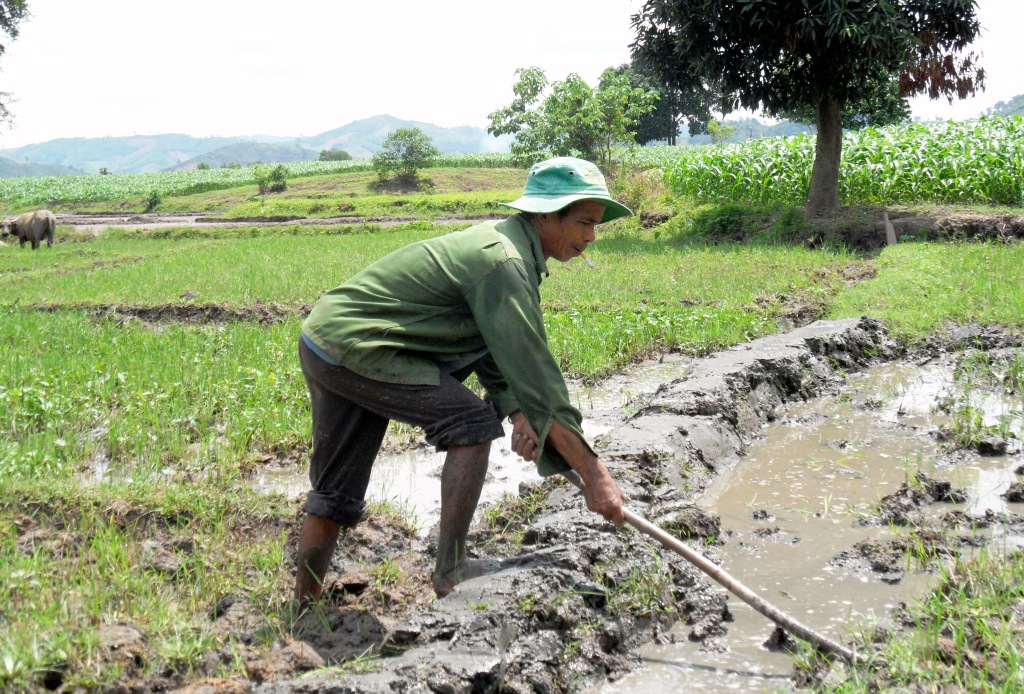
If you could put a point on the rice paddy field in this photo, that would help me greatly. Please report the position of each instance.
(148, 373)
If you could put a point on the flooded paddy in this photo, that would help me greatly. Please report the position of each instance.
(797, 507)
(803, 495)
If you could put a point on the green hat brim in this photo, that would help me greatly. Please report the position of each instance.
(539, 204)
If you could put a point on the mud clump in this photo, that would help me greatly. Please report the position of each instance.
(903, 507)
(1015, 494)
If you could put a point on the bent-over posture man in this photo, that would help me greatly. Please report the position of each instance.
(397, 340)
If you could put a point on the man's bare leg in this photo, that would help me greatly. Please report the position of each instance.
(462, 480)
(317, 541)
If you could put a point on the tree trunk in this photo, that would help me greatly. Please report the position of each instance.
(824, 193)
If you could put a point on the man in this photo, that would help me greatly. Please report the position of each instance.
(397, 340)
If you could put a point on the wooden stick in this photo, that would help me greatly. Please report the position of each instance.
(731, 584)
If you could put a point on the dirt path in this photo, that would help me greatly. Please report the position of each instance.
(100, 222)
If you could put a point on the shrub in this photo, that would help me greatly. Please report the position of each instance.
(271, 181)
(405, 152)
(334, 155)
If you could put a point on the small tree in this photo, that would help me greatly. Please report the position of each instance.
(334, 155)
(720, 132)
(573, 119)
(404, 152)
(271, 180)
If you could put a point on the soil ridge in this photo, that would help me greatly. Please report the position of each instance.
(575, 599)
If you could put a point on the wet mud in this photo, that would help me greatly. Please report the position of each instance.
(572, 603)
(573, 599)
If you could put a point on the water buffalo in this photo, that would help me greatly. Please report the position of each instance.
(32, 226)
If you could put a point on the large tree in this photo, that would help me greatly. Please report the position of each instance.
(779, 55)
(673, 108)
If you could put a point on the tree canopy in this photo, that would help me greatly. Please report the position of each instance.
(405, 151)
(777, 56)
(571, 118)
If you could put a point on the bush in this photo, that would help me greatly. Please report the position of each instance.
(273, 180)
(405, 152)
(334, 155)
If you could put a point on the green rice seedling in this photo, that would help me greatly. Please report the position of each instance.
(923, 287)
(394, 513)
(387, 573)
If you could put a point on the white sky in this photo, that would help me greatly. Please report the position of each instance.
(212, 67)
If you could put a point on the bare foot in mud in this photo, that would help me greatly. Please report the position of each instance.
(467, 569)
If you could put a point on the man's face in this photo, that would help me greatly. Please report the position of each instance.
(566, 237)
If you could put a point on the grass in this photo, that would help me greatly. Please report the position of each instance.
(88, 564)
(964, 635)
(923, 288)
(174, 413)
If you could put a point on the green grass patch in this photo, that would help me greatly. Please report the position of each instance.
(966, 635)
(924, 287)
(156, 556)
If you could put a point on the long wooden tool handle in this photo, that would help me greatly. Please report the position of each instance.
(731, 584)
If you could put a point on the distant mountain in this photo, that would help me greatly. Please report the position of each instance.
(1013, 107)
(150, 153)
(362, 138)
(135, 154)
(16, 169)
(245, 153)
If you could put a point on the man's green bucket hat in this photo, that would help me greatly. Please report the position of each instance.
(557, 183)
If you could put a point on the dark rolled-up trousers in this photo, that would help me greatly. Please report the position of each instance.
(351, 415)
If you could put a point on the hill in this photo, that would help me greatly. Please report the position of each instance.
(151, 153)
(362, 138)
(245, 153)
(1013, 107)
(16, 169)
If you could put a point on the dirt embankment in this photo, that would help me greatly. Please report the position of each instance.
(573, 602)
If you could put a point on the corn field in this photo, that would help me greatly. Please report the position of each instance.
(978, 161)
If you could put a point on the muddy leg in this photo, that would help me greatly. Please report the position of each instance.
(462, 480)
(316, 547)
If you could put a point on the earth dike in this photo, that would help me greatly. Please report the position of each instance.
(570, 598)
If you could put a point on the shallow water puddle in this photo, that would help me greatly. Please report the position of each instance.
(793, 503)
(411, 479)
(790, 506)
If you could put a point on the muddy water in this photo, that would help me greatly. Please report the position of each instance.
(411, 479)
(794, 502)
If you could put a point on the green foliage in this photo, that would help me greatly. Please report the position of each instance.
(202, 166)
(272, 180)
(978, 161)
(334, 155)
(879, 104)
(404, 152)
(152, 201)
(572, 119)
(24, 193)
(779, 56)
(720, 132)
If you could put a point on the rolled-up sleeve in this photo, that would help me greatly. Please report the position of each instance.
(506, 306)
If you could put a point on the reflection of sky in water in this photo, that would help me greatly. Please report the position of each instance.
(411, 479)
(816, 471)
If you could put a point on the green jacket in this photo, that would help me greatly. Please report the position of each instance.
(449, 299)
